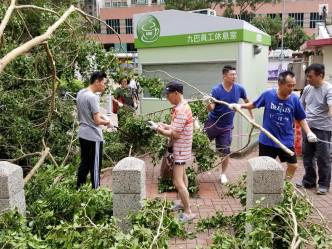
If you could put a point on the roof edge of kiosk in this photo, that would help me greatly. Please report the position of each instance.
(180, 28)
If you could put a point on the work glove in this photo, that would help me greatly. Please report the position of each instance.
(135, 105)
(312, 137)
(120, 104)
(104, 117)
(206, 100)
(196, 124)
(234, 106)
(152, 125)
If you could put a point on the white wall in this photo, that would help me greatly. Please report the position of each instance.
(327, 61)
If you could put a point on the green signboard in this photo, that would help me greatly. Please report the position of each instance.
(148, 35)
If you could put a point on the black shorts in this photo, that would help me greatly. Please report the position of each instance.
(270, 151)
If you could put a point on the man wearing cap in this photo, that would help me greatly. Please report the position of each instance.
(220, 123)
(181, 130)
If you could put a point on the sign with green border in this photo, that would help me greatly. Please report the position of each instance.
(237, 35)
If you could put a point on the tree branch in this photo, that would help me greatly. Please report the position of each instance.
(34, 42)
(22, 157)
(159, 226)
(40, 162)
(6, 18)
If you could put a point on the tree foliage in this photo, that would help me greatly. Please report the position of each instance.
(26, 83)
(294, 35)
(58, 216)
(270, 26)
(291, 223)
(245, 7)
(295, 38)
(187, 4)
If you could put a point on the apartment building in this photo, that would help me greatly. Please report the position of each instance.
(305, 12)
(119, 15)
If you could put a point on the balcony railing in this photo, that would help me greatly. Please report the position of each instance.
(121, 4)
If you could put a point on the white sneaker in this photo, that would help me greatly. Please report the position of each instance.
(223, 179)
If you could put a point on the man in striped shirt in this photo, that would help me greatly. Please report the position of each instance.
(181, 129)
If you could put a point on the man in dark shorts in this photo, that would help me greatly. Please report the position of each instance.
(220, 123)
(281, 108)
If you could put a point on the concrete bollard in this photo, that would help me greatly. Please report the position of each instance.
(11, 187)
(128, 189)
(265, 178)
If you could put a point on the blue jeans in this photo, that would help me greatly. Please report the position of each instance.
(322, 152)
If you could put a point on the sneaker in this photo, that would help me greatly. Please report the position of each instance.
(223, 179)
(177, 207)
(305, 185)
(184, 218)
(321, 191)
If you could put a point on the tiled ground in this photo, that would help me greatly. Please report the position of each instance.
(211, 196)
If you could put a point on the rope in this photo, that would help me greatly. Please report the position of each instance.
(323, 141)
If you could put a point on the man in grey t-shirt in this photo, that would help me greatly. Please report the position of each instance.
(89, 131)
(317, 100)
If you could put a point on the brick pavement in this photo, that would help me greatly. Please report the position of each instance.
(211, 196)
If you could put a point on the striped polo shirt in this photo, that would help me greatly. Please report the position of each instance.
(182, 121)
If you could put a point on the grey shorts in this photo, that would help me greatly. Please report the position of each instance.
(222, 135)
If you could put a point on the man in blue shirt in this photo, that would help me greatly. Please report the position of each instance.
(220, 123)
(281, 108)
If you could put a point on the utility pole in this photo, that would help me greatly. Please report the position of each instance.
(282, 36)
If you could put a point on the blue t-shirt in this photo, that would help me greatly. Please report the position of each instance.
(219, 93)
(279, 117)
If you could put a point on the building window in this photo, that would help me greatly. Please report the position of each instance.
(115, 24)
(90, 1)
(315, 17)
(133, 1)
(245, 17)
(109, 46)
(272, 16)
(131, 47)
(120, 3)
(107, 5)
(298, 18)
(129, 26)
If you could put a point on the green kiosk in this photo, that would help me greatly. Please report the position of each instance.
(194, 48)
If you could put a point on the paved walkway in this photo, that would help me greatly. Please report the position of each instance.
(211, 196)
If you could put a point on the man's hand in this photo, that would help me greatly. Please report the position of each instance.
(312, 138)
(196, 124)
(206, 100)
(110, 124)
(152, 125)
(234, 106)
